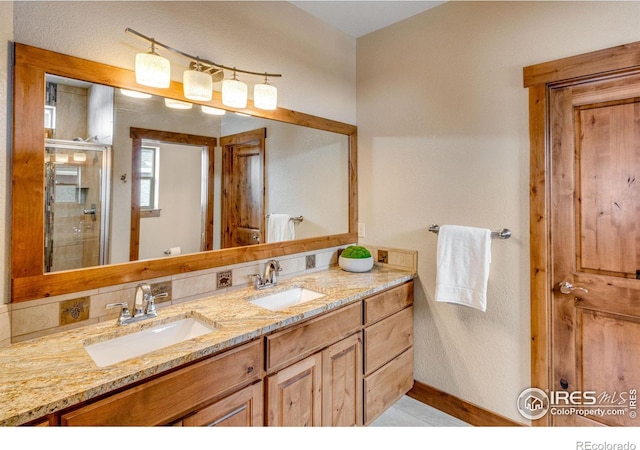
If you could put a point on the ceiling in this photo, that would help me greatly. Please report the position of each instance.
(357, 18)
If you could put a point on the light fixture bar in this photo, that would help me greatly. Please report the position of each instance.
(208, 65)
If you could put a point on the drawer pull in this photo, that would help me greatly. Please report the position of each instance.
(227, 416)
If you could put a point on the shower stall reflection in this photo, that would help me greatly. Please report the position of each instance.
(76, 204)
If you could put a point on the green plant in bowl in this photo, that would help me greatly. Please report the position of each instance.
(355, 258)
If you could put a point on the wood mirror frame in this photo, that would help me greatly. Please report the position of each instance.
(28, 279)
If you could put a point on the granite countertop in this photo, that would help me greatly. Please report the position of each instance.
(51, 373)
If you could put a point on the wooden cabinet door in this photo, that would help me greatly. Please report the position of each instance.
(342, 383)
(242, 409)
(294, 394)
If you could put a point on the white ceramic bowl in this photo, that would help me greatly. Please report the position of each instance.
(356, 264)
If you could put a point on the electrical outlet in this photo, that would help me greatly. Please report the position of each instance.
(361, 230)
(383, 256)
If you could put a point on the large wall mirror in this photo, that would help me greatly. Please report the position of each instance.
(118, 188)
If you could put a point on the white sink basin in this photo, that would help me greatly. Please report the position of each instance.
(139, 343)
(285, 299)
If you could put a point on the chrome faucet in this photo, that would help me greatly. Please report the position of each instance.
(144, 306)
(270, 275)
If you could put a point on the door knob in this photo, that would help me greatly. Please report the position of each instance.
(568, 288)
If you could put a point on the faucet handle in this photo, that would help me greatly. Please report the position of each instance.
(258, 279)
(150, 308)
(124, 312)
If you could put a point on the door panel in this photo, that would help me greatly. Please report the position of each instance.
(595, 160)
(608, 151)
(609, 345)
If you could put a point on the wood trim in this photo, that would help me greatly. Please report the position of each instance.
(540, 275)
(456, 407)
(353, 183)
(29, 282)
(58, 283)
(614, 59)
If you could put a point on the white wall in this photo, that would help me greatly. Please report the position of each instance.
(443, 138)
(180, 200)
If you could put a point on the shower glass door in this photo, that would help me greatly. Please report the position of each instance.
(76, 205)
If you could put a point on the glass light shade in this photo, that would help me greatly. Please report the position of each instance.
(153, 70)
(234, 93)
(177, 104)
(61, 158)
(134, 94)
(197, 85)
(213, 111)
(79, 157)
(265, 96)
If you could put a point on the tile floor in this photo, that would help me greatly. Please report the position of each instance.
(408, 412)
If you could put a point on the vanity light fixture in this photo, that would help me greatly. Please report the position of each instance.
(265, 96)
(177, 104)
(234, 93)
(79, 157)
(213, 111)
(198, 85)
(152, 69)
(61, 158)
(198, 80)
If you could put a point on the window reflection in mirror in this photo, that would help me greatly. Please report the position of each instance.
(305, 168)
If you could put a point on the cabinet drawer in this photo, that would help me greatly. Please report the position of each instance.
(240, 409)
(386, 385)
(388, 338)
(388, 302)
(169, 397)
(287, 346)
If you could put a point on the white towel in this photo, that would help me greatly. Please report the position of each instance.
(464, 257)
(280, 227)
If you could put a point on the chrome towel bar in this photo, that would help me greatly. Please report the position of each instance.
(296, 219)
(504, 233)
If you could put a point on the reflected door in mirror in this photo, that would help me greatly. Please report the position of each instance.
(243, 183)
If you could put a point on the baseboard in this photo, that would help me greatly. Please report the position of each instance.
(456, 407)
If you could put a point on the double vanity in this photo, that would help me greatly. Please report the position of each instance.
(330, 348)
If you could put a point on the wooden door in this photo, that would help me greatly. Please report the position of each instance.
(342, 383)
(243, 198)
(294, 394)
(595, 248)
